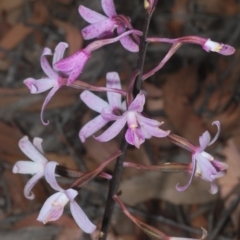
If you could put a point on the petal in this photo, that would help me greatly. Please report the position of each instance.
(91, 127)
(138, 103)
(217, 123)
(180, 189)
(90, 15)
(40, 85)
(213, 189)
(155, 131)
(204, 141)
(37, 142)
(29, 150)
(52, 209)
(93, 101)
(59, 52)
(109, 8)
(134, 137)
(148, 121)
(71, 194)
(45, 64)
(78, 68)
(51, 177)
(113, 130)
(220, 166)
(208, 170)
(96, 29)
(31, 183)
(81, 218)
(27, 167)
(127, 41)
(113, 81)
(47, 99)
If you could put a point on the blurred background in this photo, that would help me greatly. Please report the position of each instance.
(192, 90)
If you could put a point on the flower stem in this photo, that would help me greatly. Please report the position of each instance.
(143, 50)
(113, 188)
(118, 170)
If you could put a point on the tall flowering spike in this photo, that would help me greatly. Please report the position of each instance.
(53, 80)
(203, 165)
(102, 26)
(36, 168)
(207, 44)
(94, 102)
(54, 205)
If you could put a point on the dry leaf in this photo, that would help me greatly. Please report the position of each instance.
(149, 185)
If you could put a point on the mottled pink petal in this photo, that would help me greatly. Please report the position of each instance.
(27, 167)
(93, 101)
(124, 105)
(51, 209)
(112, 131)
(30, 151)
(134, 137)
(50, 176)
(81, 218)
(96, 29)
(109, 8)
(204, 141)
(113, 81)
(191, 178)
(91, 127)
(31, 183)
(41, 85)
(59, 52)
(37, 142)
(89, 15)
(138, 103)
(127, 41)
(46, 66)
(47, 99)
(217, 123)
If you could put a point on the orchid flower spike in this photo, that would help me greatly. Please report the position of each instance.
(207, 44)
(53, 80)
(94, 102)
(54, 205)
(36, 168)
(102, 26)
(205, 165)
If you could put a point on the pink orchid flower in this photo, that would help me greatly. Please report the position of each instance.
(94, 102)
(53, 80)
(54, 205)
(139, 127)
(207, 44)
(101, 25)
(203, 164)
(36, 168)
